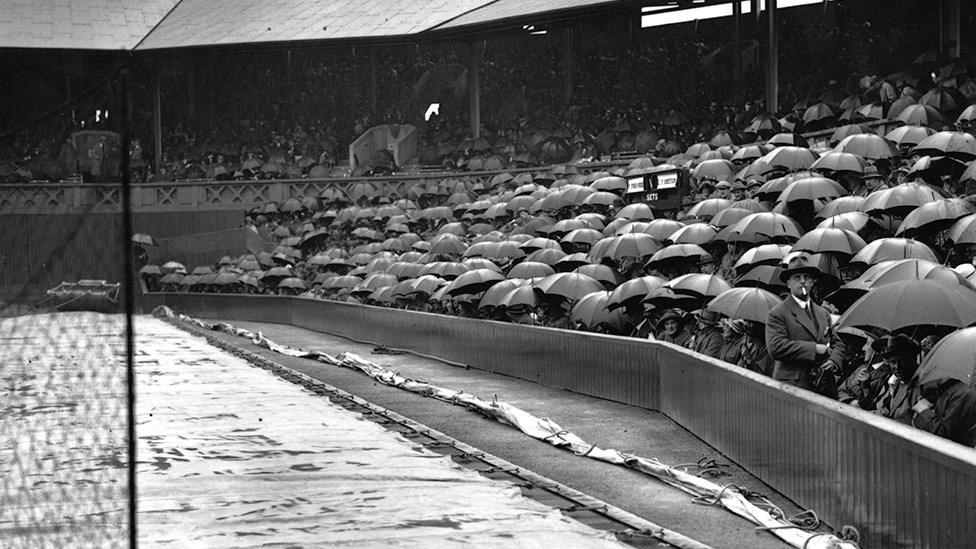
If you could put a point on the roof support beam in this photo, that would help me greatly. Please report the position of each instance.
(568, 45)
(949, 27)
(157, 121)
(374, 85)
(736, 47)
(772, 58)
(474, 87)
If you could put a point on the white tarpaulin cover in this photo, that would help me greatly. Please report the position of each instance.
(232, 456)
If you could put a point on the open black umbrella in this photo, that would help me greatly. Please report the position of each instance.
(836, 161)
(910, 303)
(766, 277)
(666, 298)
(636, 245)
(888, 272)
(699, 285)
(934, 216)
(765, 226)
(953, 357)
(549, 256)
(676, 254)
(851, 221)
(474, 282)
(869, 146)
(633, 291)
(908, 136)
(604, 273)
(884, 249)
(571, 286)
(835, 241)
(958, 145)
(591, 311)
(696, 233)
(766, 254)
(709, 208)
(744, 303)
(841, 205)
(900, 199)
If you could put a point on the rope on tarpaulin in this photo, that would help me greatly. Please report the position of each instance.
(767, 516)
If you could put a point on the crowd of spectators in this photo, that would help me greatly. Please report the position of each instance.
(293, 114)
(560, 247)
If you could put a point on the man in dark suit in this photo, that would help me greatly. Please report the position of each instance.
(798, 331)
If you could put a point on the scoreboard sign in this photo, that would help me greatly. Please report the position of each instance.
(635, 184)
(659, 189)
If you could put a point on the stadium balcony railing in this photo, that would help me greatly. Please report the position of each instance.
(75, 196)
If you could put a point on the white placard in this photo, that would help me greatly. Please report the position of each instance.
(635, 185)
(667, 181)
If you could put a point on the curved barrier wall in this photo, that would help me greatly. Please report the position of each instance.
(899, 486)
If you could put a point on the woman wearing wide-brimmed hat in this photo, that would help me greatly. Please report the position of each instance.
(733, 336)
(708, 336)
(672, 327)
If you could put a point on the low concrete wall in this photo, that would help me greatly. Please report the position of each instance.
(899, 486)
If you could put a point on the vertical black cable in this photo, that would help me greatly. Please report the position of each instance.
(128, 283)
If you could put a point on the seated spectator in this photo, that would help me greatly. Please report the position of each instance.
(722, 190)
(707, 338)
(901, 354)
(947, 407)
(733, 332)
(754, 355)
(871, 180)
(521, 314)
(869, 381)
(672, 327)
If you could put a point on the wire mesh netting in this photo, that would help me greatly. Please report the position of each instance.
(64, 458)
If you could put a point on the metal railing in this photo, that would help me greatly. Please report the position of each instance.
(72, 196)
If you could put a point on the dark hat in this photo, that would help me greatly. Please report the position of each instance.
(708, 317)
(799, 264)
(871, 172)
(738, 325)
(901, 345)
(879, 345)
(706, 258)
(670, 314)
(738, 185)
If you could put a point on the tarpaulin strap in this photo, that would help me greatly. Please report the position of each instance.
(717, 500)
(849, 533)
(553, 436)
(384, 350)
(807, 520)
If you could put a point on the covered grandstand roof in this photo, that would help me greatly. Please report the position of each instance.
(508, 9)
(164, 24)
(79, 24)
(219, 22)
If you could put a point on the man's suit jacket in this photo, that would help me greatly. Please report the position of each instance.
(792, 339)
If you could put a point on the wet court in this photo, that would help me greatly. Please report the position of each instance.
(229, 455)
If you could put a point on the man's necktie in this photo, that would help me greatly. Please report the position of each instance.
(813, 318)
